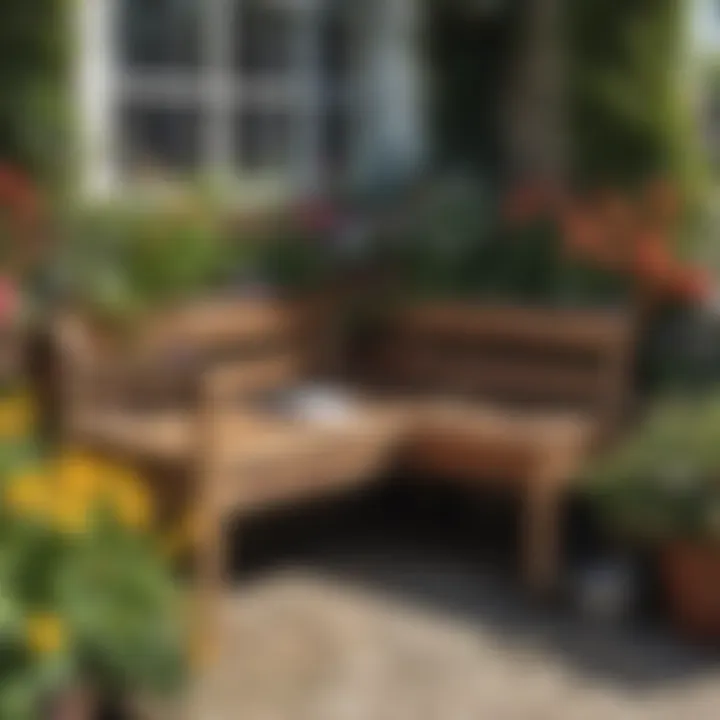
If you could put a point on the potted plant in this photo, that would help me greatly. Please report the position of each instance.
(661, 487)
(90, 608)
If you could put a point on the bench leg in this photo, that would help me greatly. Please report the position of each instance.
(541, 534)
(210, 579)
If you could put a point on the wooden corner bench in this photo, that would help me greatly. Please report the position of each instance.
(516, 396)
(189, 399)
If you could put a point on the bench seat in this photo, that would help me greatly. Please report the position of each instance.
(258, 459)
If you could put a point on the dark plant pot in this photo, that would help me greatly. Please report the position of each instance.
(42, 366)
(11, 354)
(113, 709)
(691, 572)
(681, 350)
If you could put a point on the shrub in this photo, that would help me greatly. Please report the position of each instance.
(119, 261)
(662, 482)
(87, 598)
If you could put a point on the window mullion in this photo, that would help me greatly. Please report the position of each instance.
(217, 88)
(97, 79)
(306, 108)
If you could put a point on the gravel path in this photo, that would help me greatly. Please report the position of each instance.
(304, 646)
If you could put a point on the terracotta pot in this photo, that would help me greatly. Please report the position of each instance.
(691, 573)
(82, 704)
(74, 704)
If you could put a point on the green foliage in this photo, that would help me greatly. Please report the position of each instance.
(34, 117)
(291, 259)
(124, 611)
(629, 116)
(438, 251)
(89, 602)
(119, 261)
(455, 245)
(662, 482)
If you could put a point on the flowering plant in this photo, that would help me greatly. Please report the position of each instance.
(120, 260)
(551, 246)
(21, 238)
(87, 598)
(626, 239)
(20, 214)
(663, 482)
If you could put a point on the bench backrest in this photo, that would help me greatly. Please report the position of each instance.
(169, 352)
(579, 359)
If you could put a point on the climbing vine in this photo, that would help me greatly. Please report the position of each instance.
(35, 38)
(628, 116)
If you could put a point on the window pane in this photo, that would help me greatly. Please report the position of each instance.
(160, 33)
(336, 139)
(336, 47)
(265, 38)
(335, 81)
(156, 140)
(263, 140)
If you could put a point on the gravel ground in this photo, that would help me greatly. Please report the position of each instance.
(316, 646)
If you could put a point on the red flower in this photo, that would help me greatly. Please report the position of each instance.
(524, 205)
(9, 300)
(22, 234)
(18, 195)
(653, 262)
(617, 217)
(692, 284)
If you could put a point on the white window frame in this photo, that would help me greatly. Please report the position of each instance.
(101, 85)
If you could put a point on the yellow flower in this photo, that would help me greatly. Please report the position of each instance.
(79, 474)
(76, 488)
(17, 416)
(28, 495)
(71, 515)
(129, 499)
(46, 633)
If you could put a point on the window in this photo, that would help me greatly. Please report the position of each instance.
(250, 88)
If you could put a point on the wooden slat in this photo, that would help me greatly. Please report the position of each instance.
(580, 329)
(555, 356)
(220, 322)
(517, 378)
